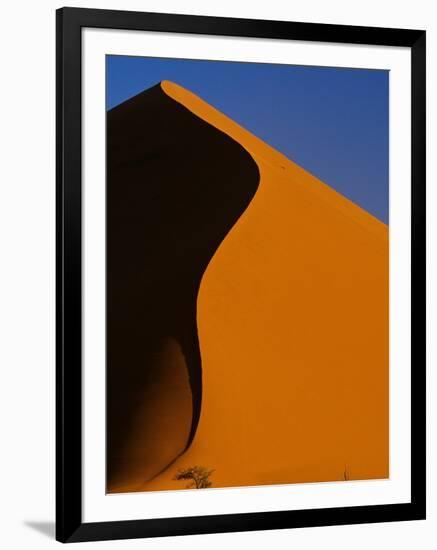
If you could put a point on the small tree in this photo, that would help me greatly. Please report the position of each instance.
(199, 476)
(346, 475)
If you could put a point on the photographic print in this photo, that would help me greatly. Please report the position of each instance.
(247, 274)
(240, 330)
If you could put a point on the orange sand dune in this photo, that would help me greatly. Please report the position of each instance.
(293, 328)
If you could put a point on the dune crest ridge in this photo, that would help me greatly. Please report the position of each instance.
(272, 158)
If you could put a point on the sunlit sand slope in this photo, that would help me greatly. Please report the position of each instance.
(292, 319)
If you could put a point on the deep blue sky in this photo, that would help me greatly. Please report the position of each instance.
(333, 122)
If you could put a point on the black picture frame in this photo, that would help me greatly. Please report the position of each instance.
(69, 525)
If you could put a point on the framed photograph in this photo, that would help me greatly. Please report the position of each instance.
(240, 274)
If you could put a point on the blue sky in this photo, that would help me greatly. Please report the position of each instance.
(333, 122)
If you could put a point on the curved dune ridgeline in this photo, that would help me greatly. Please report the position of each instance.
(292, 317)
(176, 185)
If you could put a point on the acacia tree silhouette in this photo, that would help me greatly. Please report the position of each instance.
(199, 476)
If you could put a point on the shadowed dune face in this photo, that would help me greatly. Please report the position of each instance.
(159, 422)
(175, 187)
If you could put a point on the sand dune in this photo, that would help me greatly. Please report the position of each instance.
(293, 329)
(292, 317)
(176, 186)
